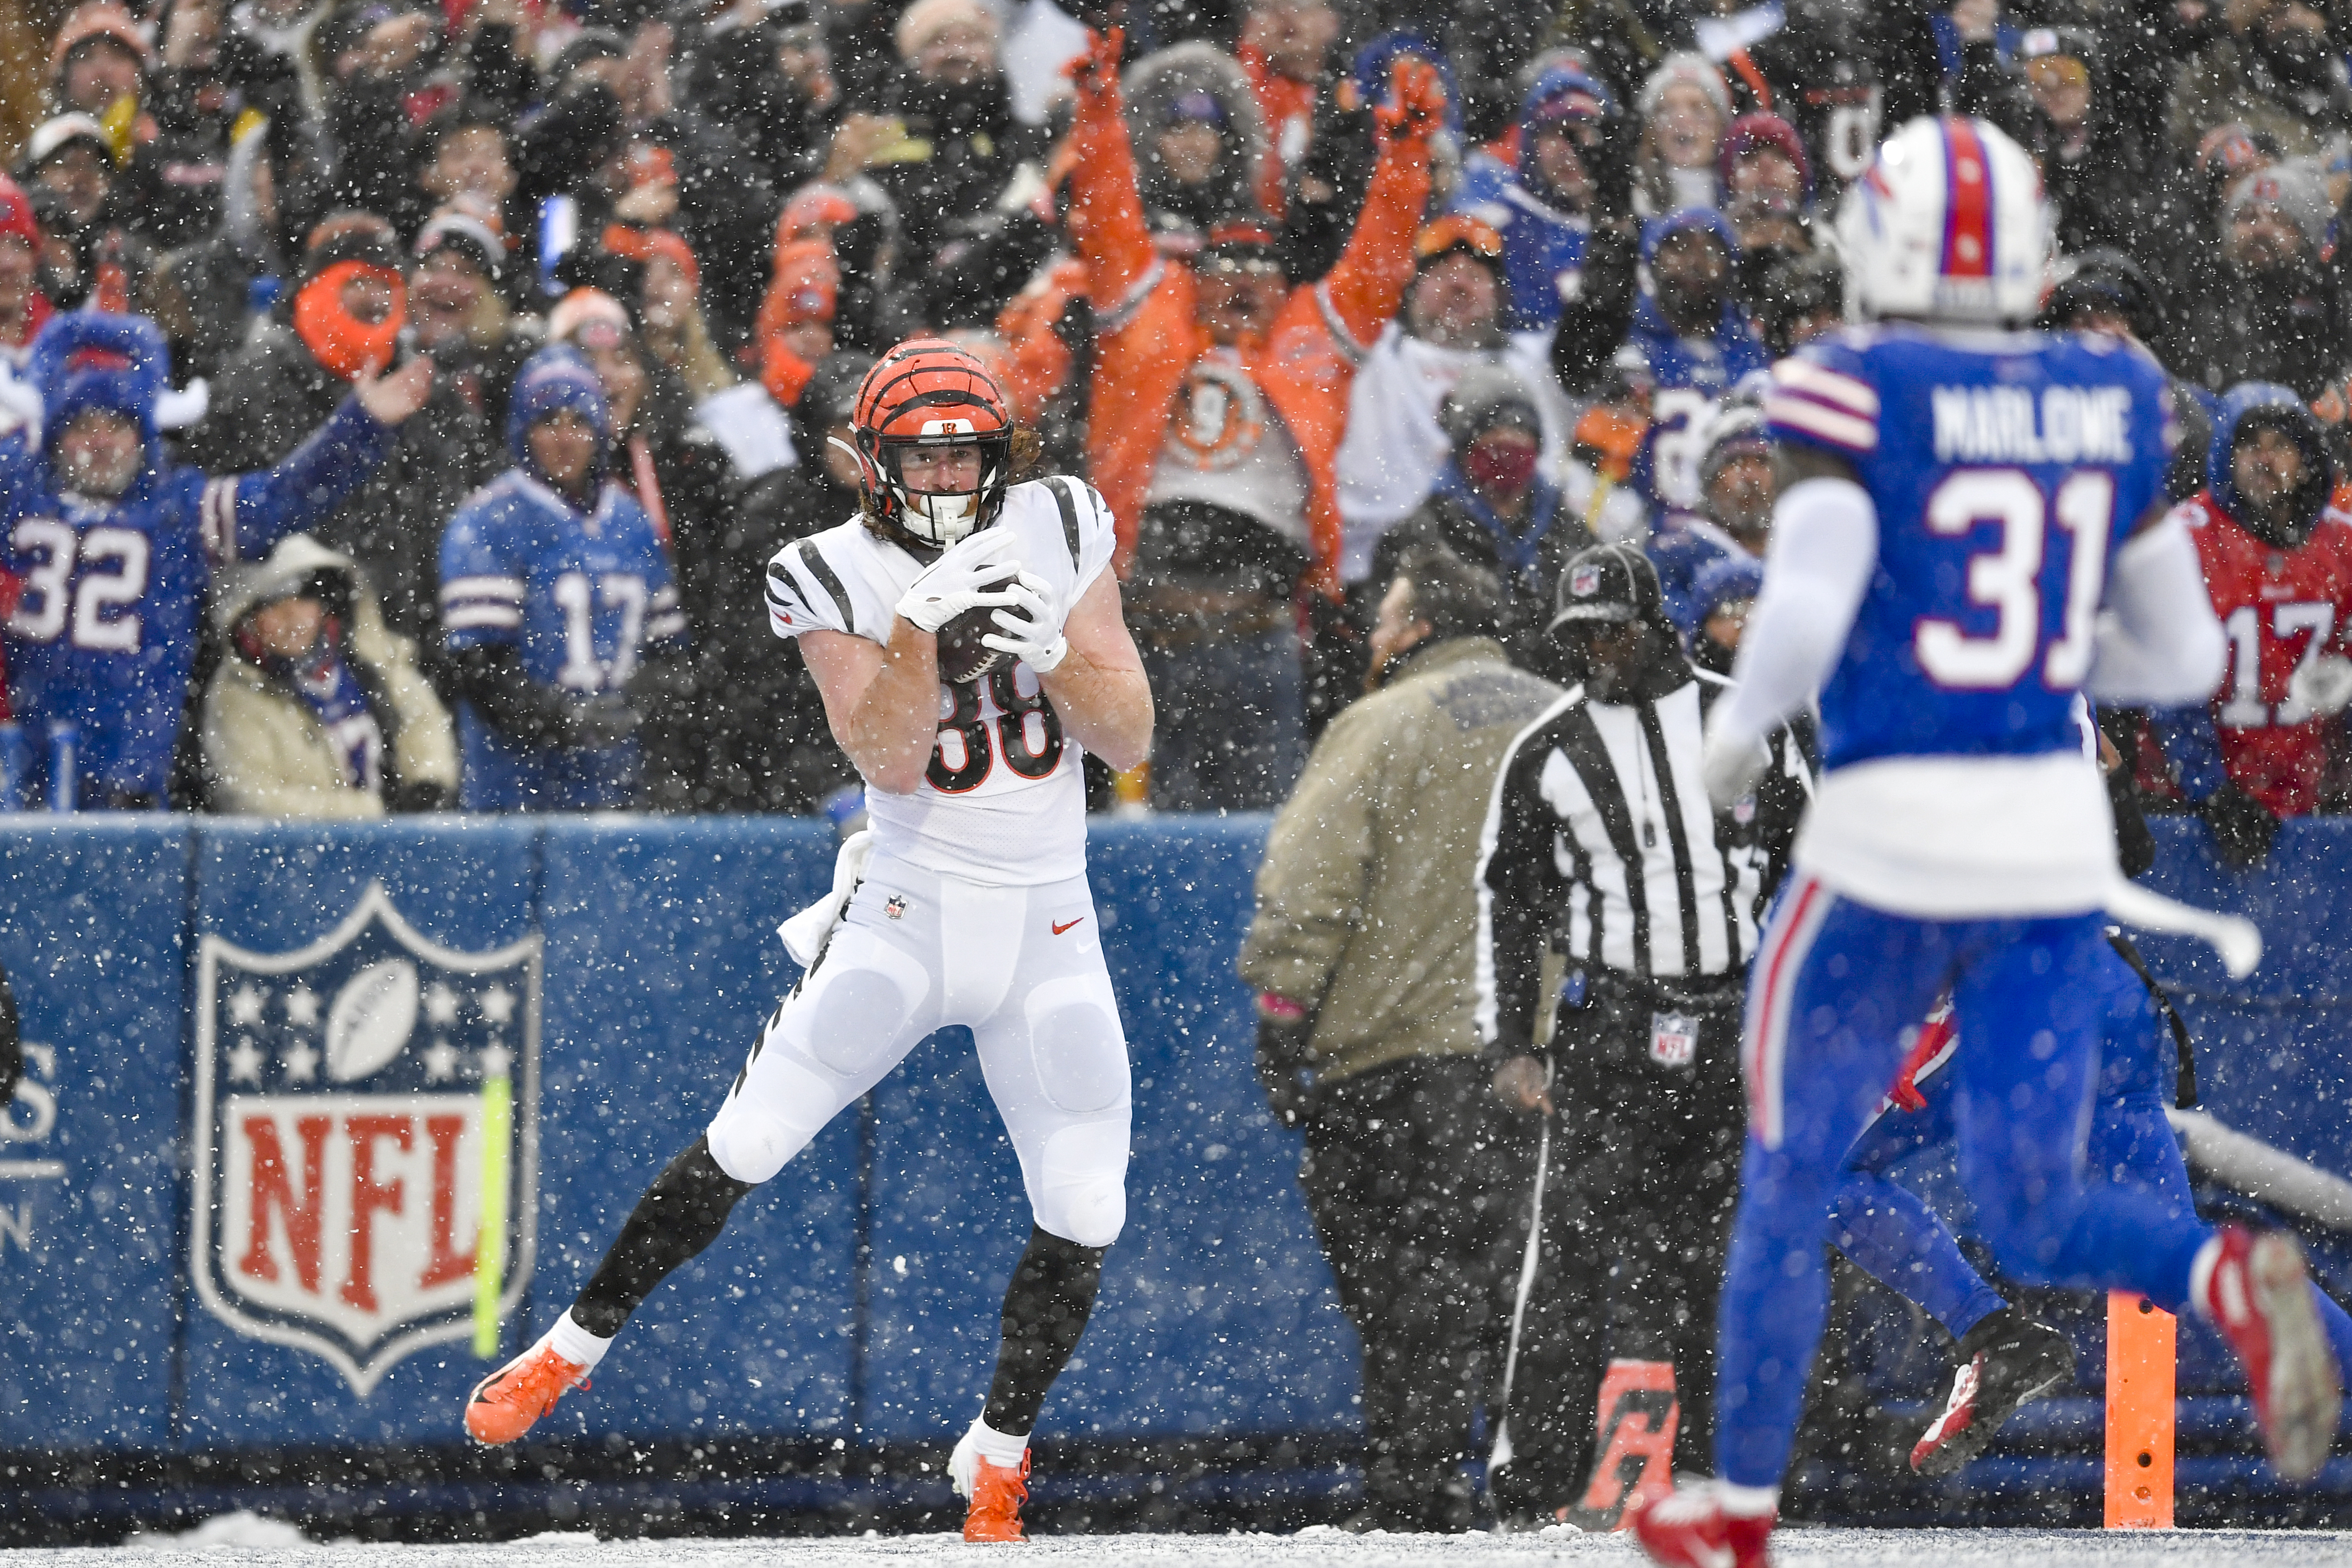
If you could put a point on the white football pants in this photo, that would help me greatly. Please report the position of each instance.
(1022, 967)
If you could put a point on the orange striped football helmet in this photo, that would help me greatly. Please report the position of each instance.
(926, 391)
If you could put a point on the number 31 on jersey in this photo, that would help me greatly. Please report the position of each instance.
(2006, 577)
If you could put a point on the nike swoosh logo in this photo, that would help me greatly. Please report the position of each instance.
(1059, 928)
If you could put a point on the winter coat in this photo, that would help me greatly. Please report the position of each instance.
(1526, 598)
(761, 740)
(2262, 328)
(203, 295)
(275, 392)
(266, 751)
(1366, 913)
(962, 147)
(2227, 81)
(708, 509)
(1148, 338)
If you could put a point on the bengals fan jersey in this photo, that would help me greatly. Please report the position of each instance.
(2281, 609)
(1004, 802)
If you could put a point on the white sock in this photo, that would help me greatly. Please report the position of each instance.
(2201, 1277)
(1002, 1450)
(576, 1344)
(1747, 1502)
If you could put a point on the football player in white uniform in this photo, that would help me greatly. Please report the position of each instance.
(965, 631)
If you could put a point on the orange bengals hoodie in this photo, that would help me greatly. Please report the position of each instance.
(1147, 338)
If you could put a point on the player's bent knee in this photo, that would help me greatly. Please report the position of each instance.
(1077, 1188)
(1091, 1214)
(750, 1147)
(771, 1115)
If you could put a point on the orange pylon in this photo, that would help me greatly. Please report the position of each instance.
(2141, 1358)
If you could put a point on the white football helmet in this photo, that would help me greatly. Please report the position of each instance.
(1948, 223)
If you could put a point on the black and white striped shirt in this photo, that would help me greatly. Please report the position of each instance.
(1599, 841)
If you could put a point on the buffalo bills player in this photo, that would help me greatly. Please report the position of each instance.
(1972, 531)
(2005, 1358)
(972, 907)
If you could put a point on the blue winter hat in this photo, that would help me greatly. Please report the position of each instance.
(1563, 93)
(1721, 581)
(86, 359)
(1657, 231)
(557, 378)
(2267, 403)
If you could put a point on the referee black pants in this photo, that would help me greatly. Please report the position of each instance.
(1398, 1178)
(1637, 1210)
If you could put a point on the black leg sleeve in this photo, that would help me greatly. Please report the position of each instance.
(681, 1214)
(1045, 1311)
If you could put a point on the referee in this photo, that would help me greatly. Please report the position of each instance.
(1600, 844)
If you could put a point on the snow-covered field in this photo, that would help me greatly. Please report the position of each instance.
(247, 1540)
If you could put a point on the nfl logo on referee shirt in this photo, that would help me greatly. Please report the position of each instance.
(345, 1098)
(1674, 1039)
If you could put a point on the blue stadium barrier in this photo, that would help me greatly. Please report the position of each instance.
(855, 1295)
(255, 1043)
(93, 926)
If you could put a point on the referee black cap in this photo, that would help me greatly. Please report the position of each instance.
(1612, 584)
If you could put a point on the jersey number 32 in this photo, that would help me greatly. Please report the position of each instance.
(2006, 578)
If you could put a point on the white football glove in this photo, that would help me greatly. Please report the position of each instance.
(961, 579)
(1730, 767)
(1032, 624)
(2322, 685)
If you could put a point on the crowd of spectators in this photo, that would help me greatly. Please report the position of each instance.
(1300, 286)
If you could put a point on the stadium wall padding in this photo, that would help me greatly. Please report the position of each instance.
(855, 1295)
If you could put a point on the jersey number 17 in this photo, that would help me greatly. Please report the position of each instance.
(2006, 577)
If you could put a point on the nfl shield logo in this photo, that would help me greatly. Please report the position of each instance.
(357, 1102)
(1584, 581)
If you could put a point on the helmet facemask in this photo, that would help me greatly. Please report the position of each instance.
(940, 518)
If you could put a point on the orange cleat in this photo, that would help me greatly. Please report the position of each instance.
(504, 1404)
(997, 1493)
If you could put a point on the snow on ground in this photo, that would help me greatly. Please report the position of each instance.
(246, 1540)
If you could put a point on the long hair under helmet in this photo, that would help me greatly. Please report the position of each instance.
(1948, 223)
(926, 391)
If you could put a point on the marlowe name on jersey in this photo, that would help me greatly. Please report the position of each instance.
(1997, 424)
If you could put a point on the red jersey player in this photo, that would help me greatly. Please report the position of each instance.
(2278, 564)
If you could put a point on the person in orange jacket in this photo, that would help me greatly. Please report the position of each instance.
(1219, 394)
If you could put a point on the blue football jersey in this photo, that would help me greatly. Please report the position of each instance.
(581, 597)
(1543, 248)
(2006, 470)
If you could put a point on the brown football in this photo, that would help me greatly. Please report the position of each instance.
(963, 657)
